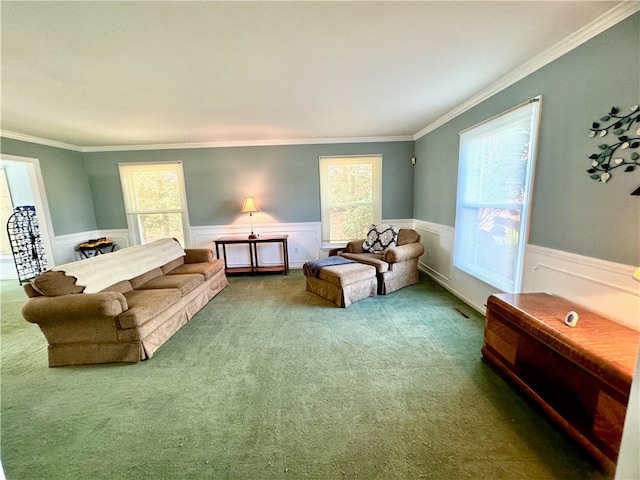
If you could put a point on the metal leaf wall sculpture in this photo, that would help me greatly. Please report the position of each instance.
(619, 152)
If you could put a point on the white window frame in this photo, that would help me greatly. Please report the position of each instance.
(132, 209)
(375, 160)
(466, 228)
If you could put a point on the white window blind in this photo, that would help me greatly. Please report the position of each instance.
(350, 196)
(495, 180)
(154, 200)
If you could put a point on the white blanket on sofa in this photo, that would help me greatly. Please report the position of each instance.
(97, 273)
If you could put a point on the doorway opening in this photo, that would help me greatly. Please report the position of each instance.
(25, 186)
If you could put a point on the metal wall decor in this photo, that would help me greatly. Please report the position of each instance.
(623, 137)
(26, 243)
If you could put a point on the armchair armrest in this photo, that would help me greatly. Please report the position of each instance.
(198, 255)
(403, 252)
(74, 307)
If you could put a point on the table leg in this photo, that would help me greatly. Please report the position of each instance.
(224, 255)
(254, 256)
(285, 252)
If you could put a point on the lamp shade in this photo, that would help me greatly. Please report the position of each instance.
(249, 205)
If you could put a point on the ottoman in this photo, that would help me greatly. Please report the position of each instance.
(344, 284)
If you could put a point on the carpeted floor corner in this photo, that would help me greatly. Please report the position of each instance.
(269, 381)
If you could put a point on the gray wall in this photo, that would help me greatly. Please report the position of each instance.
(66, 184)
(284, 180)
(570, 211)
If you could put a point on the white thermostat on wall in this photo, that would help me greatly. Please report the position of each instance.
(571, 319)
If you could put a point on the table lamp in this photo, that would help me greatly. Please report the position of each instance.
(249, 206)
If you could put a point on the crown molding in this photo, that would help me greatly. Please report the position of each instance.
(176, 146)
(599, 25)
(39, 141)
(248, 143)
(615, 15)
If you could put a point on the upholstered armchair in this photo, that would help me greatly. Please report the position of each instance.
(396, 266)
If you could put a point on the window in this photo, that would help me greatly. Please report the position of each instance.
(350, 196)
(154, 201)
(495, 178)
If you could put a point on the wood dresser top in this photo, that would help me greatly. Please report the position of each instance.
(602, 345)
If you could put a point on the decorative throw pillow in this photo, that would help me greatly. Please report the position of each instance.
(53, 283)
(380, 237)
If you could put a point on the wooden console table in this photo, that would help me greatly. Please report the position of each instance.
(253, 253)
(580, 376)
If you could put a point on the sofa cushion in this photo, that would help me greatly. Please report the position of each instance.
(121, 287)
(374, 259)
(380, 237)
(407, 235)
(197, 255)
(208, 269)
(145, 277)
(346, 274)
(167, 267)
(55, 283)
(184, 283)
(146, 304)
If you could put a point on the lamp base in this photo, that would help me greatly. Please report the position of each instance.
(252, 236)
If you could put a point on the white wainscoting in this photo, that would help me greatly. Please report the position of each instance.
(437, 262)
(65, 246)
(604, 287)
(303, 242)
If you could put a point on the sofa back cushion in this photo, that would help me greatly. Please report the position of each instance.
(53, 284)
(145, 277)
(167, 267)
(120, 287)
(407, 235)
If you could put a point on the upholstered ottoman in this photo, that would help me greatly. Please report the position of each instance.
(344, 284)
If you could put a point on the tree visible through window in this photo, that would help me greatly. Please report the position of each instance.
(154, 199)
(495, 173)
(350, 194)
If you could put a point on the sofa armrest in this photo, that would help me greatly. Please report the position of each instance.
(198, 255)
(355, 246)
(403, 252)
(74, 307)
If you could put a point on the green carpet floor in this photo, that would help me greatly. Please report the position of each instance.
(271, 382)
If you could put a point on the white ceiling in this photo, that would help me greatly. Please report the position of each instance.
(95, 74)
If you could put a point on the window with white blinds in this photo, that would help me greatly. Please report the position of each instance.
(350, 196)
(495, 180)
(155, 201)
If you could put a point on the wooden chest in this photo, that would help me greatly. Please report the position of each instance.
(580, 376)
